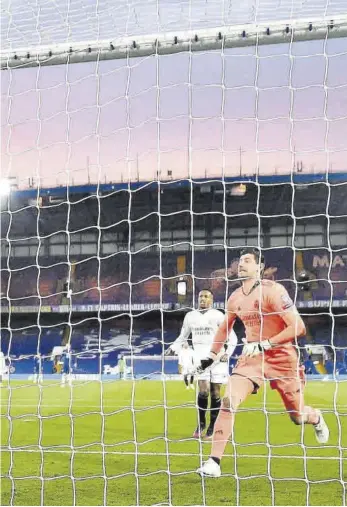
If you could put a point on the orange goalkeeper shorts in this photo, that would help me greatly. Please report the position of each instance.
(280, 366)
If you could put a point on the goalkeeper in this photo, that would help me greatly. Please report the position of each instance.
(272, 325)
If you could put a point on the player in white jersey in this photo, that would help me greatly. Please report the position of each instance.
(2, 366)
(202, 324)
(186, 361)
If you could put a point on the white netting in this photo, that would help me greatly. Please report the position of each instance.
(36, 24)
(242, 145)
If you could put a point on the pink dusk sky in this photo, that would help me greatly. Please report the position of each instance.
(108, 121)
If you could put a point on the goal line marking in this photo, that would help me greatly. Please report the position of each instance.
(176, 454)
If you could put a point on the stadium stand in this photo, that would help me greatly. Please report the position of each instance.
(28, 285)
(119, 267)
(115, 338)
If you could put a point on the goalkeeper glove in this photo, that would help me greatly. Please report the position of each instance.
(205, 363)
(252, 349)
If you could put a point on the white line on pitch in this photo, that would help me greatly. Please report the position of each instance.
(158, 404)
(176, 454)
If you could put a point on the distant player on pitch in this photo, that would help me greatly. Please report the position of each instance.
(38, 369)
(202, 324)
(2, 366)
(66, 369)
(186, 361)
(121, 367)
(272, 325)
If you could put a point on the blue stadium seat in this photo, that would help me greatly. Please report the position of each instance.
(86, 342)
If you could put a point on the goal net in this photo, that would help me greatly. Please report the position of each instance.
(144, 145)
(152, 367)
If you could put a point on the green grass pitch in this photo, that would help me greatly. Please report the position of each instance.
(112, 443)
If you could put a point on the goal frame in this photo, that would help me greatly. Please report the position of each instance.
(206, 39)
(146, 357)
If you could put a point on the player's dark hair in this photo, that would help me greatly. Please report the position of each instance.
(259, 257)
(206, 290)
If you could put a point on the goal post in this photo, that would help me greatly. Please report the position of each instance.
(152, 367)
(218, 38)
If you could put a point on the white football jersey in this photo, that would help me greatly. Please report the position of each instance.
(203, 325)
(185, 358)
(2, 363)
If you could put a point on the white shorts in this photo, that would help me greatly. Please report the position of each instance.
(218, 373)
